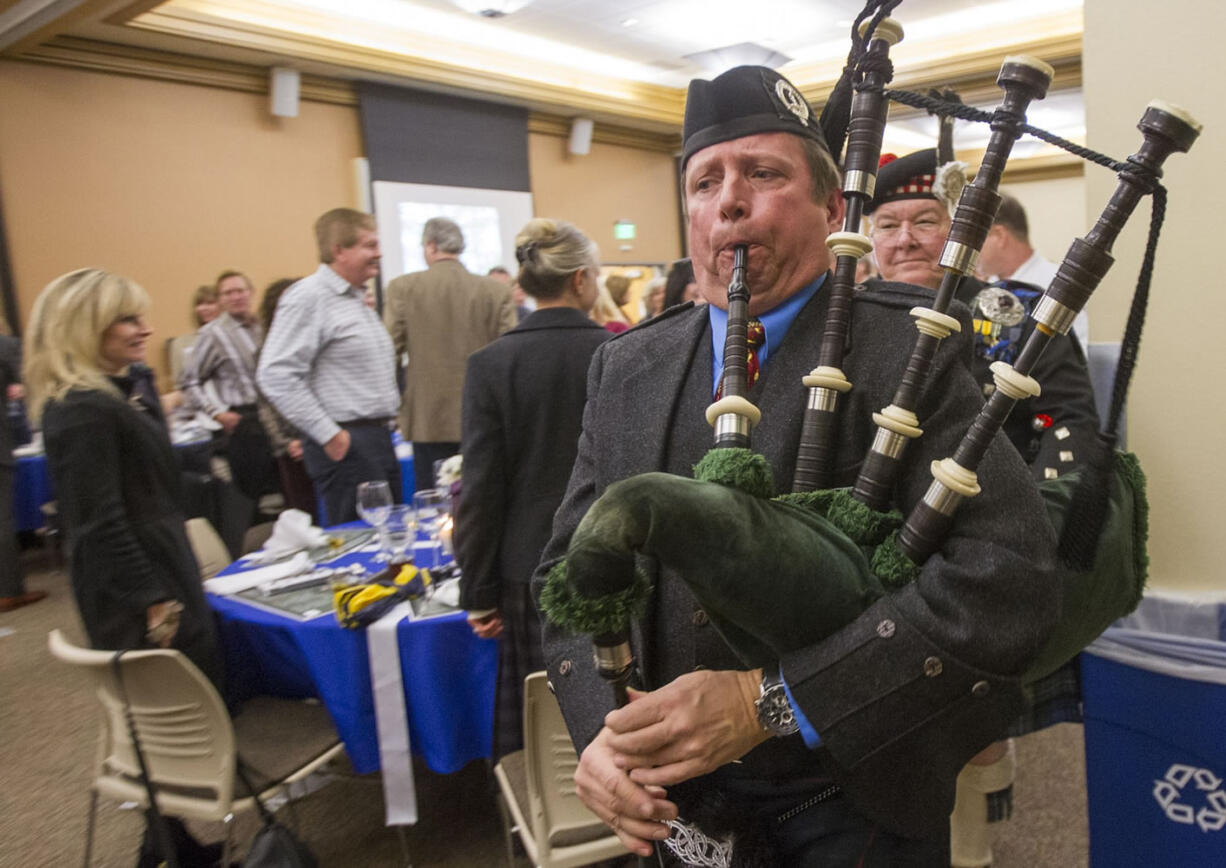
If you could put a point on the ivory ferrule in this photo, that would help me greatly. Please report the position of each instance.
(1017, 386)
(1056, 316)
(889, 443)
(826, 377)
(861, 182)
(613, 659)
(900, 421)
(955, 477)
(849, 244)
(959, 257)
(733, 404)
(937, 325)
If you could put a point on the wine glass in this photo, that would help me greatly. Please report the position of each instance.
(432, 508)
(374, 504)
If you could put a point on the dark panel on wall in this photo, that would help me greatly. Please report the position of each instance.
(8, 292)
(427, 138)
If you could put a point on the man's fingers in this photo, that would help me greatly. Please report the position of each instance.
(643, 739)
(667, 774)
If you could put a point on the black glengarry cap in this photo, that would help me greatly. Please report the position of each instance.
(745, 101)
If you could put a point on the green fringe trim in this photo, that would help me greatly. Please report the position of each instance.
(1130, 469)
(742, 469)
(580, 614)
(863, 524)
(891, 566)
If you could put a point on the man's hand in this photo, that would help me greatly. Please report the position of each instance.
(229, 420)
(489, 627)
(636, 813)
(691, 726)
(338, 447)
(294, 450)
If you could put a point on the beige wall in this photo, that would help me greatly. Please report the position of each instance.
(172, 183)
(1175, 412)
(167, 183)
(609, 184)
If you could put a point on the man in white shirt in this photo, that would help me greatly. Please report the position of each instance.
(328, 366)
(1007, 254)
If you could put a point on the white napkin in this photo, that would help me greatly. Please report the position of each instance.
(236, 582)
(448, 593)
(293, 532)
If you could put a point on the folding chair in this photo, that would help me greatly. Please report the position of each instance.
(190, 744)
(537, 790)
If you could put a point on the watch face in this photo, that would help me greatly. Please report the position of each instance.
(775, 712)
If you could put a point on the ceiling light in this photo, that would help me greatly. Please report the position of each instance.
(491, 8)
(630, 22)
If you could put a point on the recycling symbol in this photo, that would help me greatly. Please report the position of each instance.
(1170, 791)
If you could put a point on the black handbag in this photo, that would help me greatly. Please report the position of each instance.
(274, 846)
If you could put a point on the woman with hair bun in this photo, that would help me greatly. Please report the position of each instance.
(522, 412)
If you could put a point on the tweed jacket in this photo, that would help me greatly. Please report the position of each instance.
(901, 697)
(440, 317)
(523, 406)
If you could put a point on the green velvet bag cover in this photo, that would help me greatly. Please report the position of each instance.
(771, 576)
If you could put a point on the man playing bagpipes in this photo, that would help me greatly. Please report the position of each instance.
(893, 704)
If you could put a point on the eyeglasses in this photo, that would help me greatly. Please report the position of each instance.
(925, 227)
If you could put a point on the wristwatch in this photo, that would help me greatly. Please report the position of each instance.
(775, 713)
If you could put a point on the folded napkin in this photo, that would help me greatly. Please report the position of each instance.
(292, 533)
(235, 582)
(448, 593)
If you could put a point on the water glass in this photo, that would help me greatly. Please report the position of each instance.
(374, 504)
(400, 531)
(432, 508)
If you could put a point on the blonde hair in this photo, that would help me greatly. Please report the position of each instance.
(64, 337)
(606, 309)
(340, 227)
(549, 252)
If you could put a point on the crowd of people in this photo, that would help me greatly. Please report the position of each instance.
(518, 373)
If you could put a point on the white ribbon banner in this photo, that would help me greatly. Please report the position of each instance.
(391, 717)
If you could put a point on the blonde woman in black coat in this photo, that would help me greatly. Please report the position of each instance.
(522, 412)
(116, 478)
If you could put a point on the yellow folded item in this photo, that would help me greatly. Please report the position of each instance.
(350, 600)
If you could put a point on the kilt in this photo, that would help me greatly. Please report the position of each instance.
(519, 654)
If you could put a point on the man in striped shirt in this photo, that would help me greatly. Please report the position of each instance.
(223, 358)
(328, 366)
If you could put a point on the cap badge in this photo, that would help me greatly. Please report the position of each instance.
(792, 100)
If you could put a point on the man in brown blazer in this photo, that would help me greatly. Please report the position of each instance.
(439, 317)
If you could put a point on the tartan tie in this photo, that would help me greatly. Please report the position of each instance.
(755, 336)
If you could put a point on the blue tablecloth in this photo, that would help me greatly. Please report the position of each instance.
(449, 676)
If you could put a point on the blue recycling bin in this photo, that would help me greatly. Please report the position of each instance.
(1155, 717)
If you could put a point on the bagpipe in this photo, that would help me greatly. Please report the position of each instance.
(830, 553)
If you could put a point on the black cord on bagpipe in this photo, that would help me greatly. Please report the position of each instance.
(1088, 510)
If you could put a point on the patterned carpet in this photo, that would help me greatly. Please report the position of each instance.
(50, 724)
